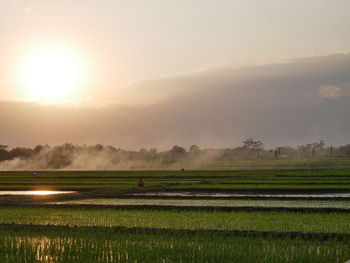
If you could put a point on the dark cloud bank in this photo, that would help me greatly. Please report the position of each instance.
(293, 103)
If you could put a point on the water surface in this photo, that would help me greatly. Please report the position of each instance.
(38, 192)
(212, 203)
(192, 194)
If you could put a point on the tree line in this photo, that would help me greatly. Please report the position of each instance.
(251, 149)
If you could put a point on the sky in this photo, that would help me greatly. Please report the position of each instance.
(157, 73)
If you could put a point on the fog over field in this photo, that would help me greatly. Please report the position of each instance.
(283, 103)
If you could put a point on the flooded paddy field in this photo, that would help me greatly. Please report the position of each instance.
(81, 245)
(37, 192)
(191, 216)
(217, 195)
(246, 181)
(211, 203)
(177, 218)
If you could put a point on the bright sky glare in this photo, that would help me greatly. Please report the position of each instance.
(129, 41)
(50, 75)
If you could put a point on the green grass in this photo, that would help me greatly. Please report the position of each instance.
(180, 219)
(32, 245)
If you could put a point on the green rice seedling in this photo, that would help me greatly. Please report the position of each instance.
(334, 222)
(343, 204)
(19, 244)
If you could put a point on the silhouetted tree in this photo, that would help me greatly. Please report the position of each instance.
(194, 151)
(4, 155)
(252, 144)
(177, 153)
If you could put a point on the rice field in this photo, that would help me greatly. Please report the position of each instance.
(212, 203)
(224, 216)
(179, 219)
(320, 180)
(19, 244)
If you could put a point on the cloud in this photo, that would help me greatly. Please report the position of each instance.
(31, 6)
(278, 103)
(331, 92)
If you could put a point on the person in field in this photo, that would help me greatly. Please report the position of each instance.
(141, 183)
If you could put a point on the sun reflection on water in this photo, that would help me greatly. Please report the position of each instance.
(36, 192)
(43, 192)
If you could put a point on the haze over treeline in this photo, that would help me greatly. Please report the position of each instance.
(95, 157)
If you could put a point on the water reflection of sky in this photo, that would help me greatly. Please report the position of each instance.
(191, 194)
(38, 192)
(212, 203)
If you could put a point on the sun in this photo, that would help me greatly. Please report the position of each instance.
(51, 75)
